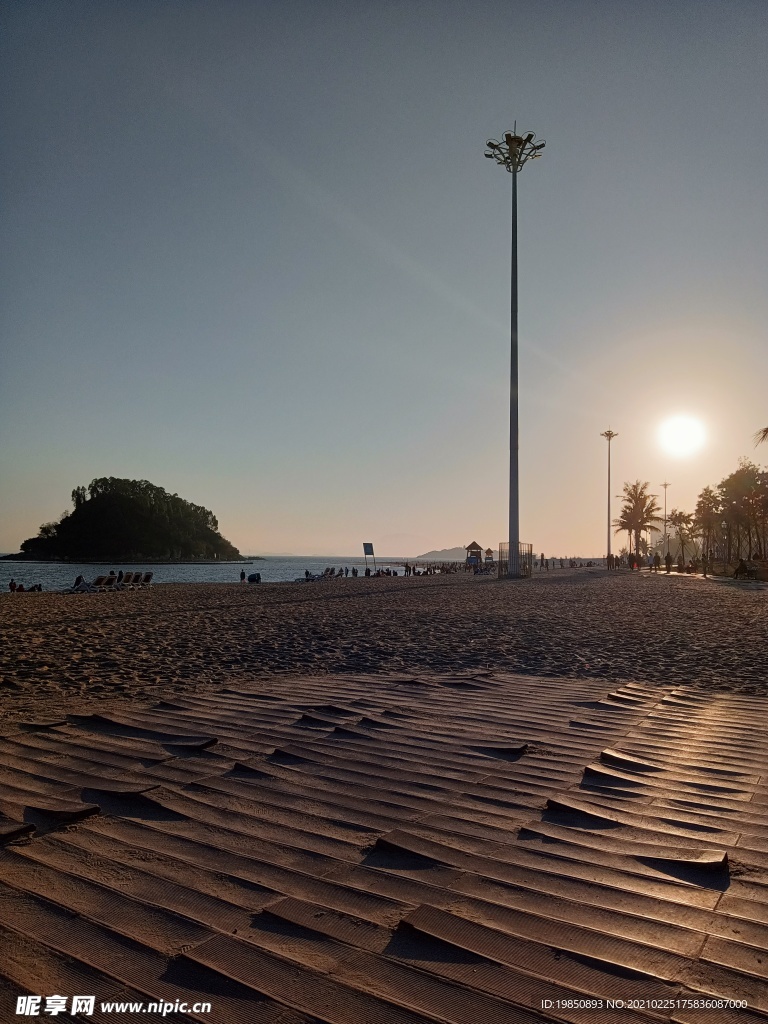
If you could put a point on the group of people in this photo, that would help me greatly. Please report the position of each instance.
(545, 564)
(342, 573)
(19, 588)
(255, 577)
(330, 573)
(335, 574)
(654, 563)
(692, 566)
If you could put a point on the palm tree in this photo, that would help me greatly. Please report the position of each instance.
(639, 510)
(682, 522)
(707, 516)
(761, 435)
(624, 523)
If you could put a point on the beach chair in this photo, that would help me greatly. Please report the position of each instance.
(127, 581)
(110, 583)
(146, 580)
(85, 587)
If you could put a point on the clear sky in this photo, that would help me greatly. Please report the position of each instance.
(252, 253)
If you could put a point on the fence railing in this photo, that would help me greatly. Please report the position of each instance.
(522, 567)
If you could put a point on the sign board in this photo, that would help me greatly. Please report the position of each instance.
(368, 550)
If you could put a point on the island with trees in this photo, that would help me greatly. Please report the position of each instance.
(129, 521)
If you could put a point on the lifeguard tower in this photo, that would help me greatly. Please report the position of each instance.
(489, 555)
(474, 555)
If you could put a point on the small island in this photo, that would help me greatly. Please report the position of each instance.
(129, 521)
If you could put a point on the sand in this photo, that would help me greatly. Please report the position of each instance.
(402, 801)
(573, 624)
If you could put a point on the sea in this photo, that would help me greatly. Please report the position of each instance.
(58, 575)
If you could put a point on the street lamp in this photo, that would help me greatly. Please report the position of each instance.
(724, 526)
(665, 485)
(609, 436)
(512, 154)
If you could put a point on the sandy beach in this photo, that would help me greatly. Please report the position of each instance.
(434, 800)
(583, 623)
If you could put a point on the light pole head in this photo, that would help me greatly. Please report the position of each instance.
(515, 151)
(609, 435)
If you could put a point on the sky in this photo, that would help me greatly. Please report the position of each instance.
(253, 254)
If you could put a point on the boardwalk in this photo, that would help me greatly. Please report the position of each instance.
(467, 847)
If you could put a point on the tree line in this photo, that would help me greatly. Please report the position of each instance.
(130, 520)
(729, 520)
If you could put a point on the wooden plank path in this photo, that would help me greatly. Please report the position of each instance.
(361, 849)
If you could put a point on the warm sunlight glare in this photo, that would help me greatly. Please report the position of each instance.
(681, 435)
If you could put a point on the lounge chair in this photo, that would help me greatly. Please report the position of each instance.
(126, 583)
(145, 581)
(95, 587)
(110, 583)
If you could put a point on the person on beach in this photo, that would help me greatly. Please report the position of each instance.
(12, 586)
(120, 576)
(741, 569)
(242, 575)
(656, 562)
(78, 582)
(668, 562)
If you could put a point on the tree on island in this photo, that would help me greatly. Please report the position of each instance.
(130, 520)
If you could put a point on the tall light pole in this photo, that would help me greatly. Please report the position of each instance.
(724, 526)
(609, 436)
(512, 154)
(665, 485)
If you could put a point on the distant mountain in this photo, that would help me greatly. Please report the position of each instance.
(446, 555)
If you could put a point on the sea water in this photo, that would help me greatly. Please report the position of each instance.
(58, 575)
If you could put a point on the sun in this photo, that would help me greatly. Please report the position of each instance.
(682, 435)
